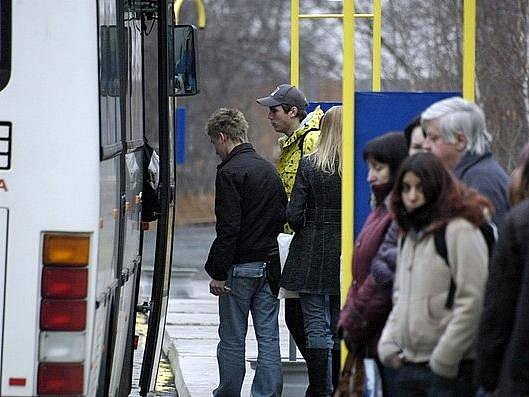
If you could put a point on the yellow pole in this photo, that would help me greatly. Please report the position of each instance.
(327, 16)
(294, 42)
(377, 44)
(201, 11)
(469, 49)
(348, 94)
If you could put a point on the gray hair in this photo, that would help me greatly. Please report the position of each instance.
(457, 115)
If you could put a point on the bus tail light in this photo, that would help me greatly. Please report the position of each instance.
(60, 379)
(65, 283)
(62, 315)
(61, 347)
(66, 250)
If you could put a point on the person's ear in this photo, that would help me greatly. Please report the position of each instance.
(461, 142)
(293, 112)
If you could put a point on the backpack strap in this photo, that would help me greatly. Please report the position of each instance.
(490, 235)
(301, 144)
(301, 141)
(403, 238)
(439, 239)
(489, 230)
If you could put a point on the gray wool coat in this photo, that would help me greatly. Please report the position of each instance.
(314, 213)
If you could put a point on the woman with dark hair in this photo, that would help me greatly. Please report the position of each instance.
(415, 136)
(368, 303)
(428, 337)
(502, 355)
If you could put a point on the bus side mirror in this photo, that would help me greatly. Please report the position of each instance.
(183, 60)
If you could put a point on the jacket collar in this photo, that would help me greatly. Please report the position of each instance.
(242, 148)
(309, 123)
(467, 161)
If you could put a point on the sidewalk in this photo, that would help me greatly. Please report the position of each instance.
(191, 342)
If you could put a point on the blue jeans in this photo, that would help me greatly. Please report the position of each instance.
(317, 324)
(416, 380)
(250, 292)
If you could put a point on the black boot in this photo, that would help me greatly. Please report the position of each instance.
(336, 368)
(317, 365)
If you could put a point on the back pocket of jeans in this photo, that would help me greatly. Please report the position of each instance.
(246, 272)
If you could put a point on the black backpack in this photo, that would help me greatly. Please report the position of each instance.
(490, 234)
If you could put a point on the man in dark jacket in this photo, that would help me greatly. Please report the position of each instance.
(243, 261)
(456, 133)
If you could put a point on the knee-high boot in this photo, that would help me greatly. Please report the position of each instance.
(336, 368)
(317, 367)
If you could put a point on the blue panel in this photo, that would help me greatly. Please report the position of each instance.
(180, 135)
(375, 114)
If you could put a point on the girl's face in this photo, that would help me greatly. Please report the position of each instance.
(412, 193)
(378, 173)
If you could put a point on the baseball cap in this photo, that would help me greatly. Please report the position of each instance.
(285, 94)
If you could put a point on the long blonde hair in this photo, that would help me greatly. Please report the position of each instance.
(329, 152)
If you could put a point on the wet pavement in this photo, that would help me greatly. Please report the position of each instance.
(192, 325)
(165, 386)
(191, 338)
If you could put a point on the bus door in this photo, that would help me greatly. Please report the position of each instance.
(175, 48)
(155, 47)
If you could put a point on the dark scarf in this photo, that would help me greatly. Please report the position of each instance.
(380, 192)
(422, 216)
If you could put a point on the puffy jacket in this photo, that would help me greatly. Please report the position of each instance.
(290, 156)
(420, 326)
(362, 297)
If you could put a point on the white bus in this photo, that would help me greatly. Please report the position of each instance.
(83, 84)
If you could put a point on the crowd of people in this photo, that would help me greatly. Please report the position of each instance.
(440, 295)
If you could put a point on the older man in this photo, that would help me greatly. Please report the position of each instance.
(456, 133)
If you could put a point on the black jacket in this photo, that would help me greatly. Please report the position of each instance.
(250, 207)
(502, 360)
(314, 213)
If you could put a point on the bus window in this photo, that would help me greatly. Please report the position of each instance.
(110, 91)
(5, 42)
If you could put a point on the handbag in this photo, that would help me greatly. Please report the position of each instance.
(352, 377)
(283, 241)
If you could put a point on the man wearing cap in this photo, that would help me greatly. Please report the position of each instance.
(287, 112)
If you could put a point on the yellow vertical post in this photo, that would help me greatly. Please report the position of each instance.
(294, 42)
(201, 12)
(469, 49)
(348, 95)
(377, 44)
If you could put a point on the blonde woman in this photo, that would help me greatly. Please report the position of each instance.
(313, 265)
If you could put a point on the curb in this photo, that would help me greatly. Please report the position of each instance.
(170, 351)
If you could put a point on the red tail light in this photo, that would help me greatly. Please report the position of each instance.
(60, 379)
(59, 282)
(62, 315)
(17, 381)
